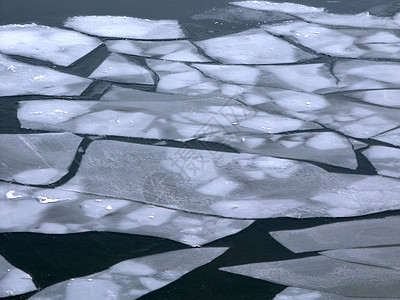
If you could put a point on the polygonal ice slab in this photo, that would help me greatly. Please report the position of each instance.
(36, 158)
(389, 98)
(58, 46)
(386, 257)
(17, 78)
(386, 160)
(363, 233)
(355, 43)
(304, 77)
(168, 50)
(133, 278)
(120, 69)
(391, 137)
(252, 46)
(326, 147)
(182, 119)
(126, 27)
(292, 293)
(24, 209)
(326, 275)
(229, 184)
(14, 281)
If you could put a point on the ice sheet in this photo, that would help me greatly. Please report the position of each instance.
(229, 184)
(391, 137)
(353, 234)
(133, 278)
(58, 46)
(120, 69)
(327, 275)
(168, 50)
(17, 78)
(386, 160)
(286, 7)
(14, 281)
(54, 211)
(252, 46)
(389, 98)
(36, 158)
(126, 27)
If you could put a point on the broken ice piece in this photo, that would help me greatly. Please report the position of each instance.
(132, 278)
(292, 293)
(126, 27)
(386, 160)
(391, 137)
(59, 46)
(36, 158)
(286, 7)
(120, 69)
(14, 281)
(389, 98)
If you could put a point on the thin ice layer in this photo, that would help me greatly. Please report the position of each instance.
(230, 184)
(17, 78)
(386, 257)
(181, 119)
(36, 158)
(353, 234)
(253, 46)
(386, 160)
(169, 50)
(354, 43)
(59, 46)
(327, 275)
(132, 278)
(126, 27)
(53, 211)
(14, 281)
(391, 137)
(292, 293)
(120, 69)
(389, 98)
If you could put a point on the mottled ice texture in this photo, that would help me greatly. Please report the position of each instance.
(292, 293)
(17, 78)
(389, 98)
(132, 278)
(54, 211)
(120, 69)
(168, 50)
(391, 137)
(58, 46)
(386, 160)
(229, 184)
(126, 27)
(327, 275)
(353, 234)
(325, 147)
(36, 158)
(386, 257)
(355, 43)
(14, 281)
(182, 119)
(252, 46)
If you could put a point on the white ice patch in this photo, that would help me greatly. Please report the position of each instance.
(253, 46)
(14, 281)
(133, 278)
(126, 27)
(386, 160)
(36, 158)
(292, 293)
(17, 78)
(167, 50)
(59, 46)
(120, 69)
(286, 7)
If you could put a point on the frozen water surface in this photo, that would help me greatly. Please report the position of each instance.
(292, 293)
(385, 159)
(389, 98)
(120, 69)
(14, 281)
(18, 78)
(126, 27)
(133, 278)
(391, 137)
(36, 158)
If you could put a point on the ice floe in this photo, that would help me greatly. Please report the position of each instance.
(292, 293)
(126, 27)
(286, 7)
(391, 137)
(132, 278)
(14, 281)
(253, 46)
(230, 184)
(180, 50)
(352, 234)
(120, 69)
(327, 275)
(36, 158)
(389, 98)
(386, 160)
(59, 46)
(18, 78)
